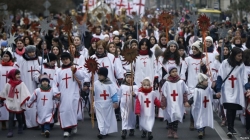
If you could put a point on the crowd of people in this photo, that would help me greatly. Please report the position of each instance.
(44, 81)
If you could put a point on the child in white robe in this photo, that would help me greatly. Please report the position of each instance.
(201, 102)
(145, 108)
(43, 96)
(15, 94)
(127, 101)
(175, 95)
(105, 100)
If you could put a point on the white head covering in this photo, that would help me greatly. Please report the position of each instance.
(202, 77)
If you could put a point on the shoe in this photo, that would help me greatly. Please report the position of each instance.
(229, 134)
(191, 127)
(131, 132)
(4, 125)
(200, 135)
(137, 126)
(124, 134)
(170, 135)
(66, 134)
(100, 136)
(74, 130)
(20, 130)
(47, 134)
(150, 136)
(42, 133)
(58, 123)
(143, 135)
(174, 133)
(234, 132)
(10, 134)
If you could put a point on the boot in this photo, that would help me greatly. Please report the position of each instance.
(124, 134)
(191, 127)
(200, 135)
(170, 135)
(20, 130)
(47, 133)
(143, 135)
(131, 132)
(4, 125)
(175, 134)
(150, 136)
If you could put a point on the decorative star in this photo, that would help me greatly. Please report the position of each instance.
(44, 26)
(222, 32)
(8, 24)
(82, 29)
(11, 40)
(193, 18)
(136, 18)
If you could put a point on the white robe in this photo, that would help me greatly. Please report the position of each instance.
(44, 104)
(103, 104)
(174, 95)
(147, 110)
(144, 67)
(126, 105)
(51, 71)
(114, 66)
(192, 66)
(233, 88)
(202, 109)
(30, 76)
(4, 70)
(16, 104)
(160, 66)
(69, 91)
(160, 110)
(211, 59)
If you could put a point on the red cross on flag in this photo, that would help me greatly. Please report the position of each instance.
(139, 7)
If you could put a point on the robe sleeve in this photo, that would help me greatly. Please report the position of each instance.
(36, 73)
(55, 84)
(32, 100)
(137, 106)
(81, 73)
(3, 94)
(119, 72)
(184, 69)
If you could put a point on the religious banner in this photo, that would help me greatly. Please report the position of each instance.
(139, 7)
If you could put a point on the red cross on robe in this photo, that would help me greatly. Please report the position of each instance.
(16, 92)
(104, 66)
(126, 95)
(174, 94)
(104, 95)
(205, 101)
(147, 102)
(232, 79)
(6, 79)
(196, 70)
(44, 99)
(31, 72)
(66, 80)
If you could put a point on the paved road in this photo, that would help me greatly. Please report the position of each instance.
(86, 132)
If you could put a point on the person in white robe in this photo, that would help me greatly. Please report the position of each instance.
(15, 93)
(116, 73)
(127, 93)
(145, 63)
(6, 65)
(66, 88)
(175, 95)
(145, 107)
(79, 47)
(43, 96)
(233, 71)
(193, 64)
(29, 67)
(105, 100)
